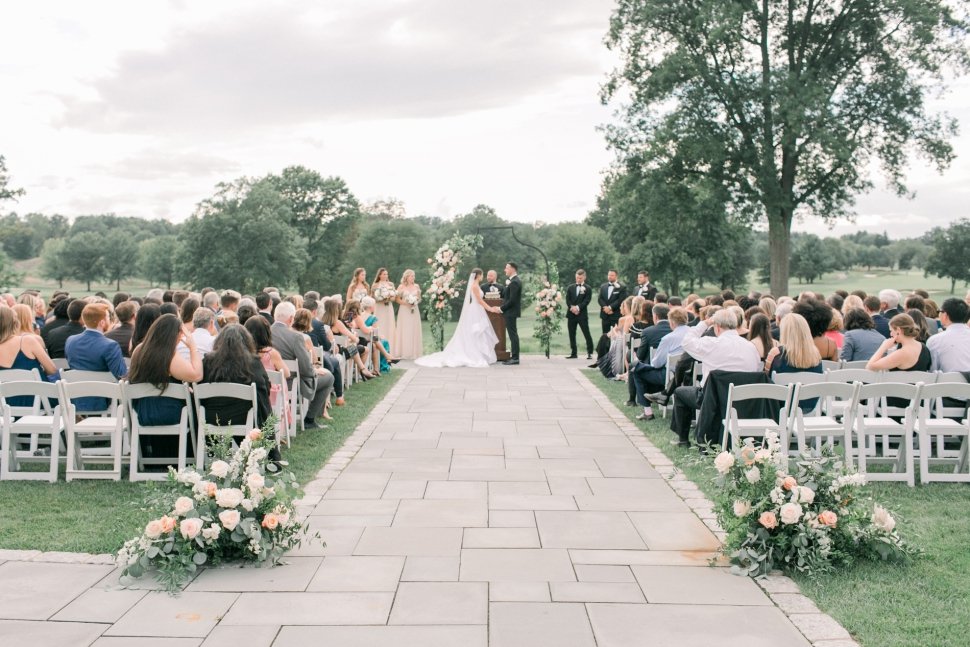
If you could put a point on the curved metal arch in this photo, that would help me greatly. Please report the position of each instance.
(521, 242)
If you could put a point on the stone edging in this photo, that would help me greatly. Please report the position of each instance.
(820, 629)
(313, 491)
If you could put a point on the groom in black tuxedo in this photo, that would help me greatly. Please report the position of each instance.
(611, 296)
(511, 309)
(578, 296)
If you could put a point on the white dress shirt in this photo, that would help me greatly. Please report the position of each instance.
(727, 352)
(950, 349)
(203, 341)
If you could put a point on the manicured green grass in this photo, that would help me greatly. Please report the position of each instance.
(921, 604)
(99, 516)
(871, 281)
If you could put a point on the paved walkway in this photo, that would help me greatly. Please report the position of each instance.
(505, 507)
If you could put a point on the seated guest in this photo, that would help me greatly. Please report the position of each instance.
(187, 311)
(861, 340)
(58, 338)
(759, 334)
(797, 353)
(25, 320)
(147, 315)
(203, 331)
(22, 352)
(316, 383)
(269, 356)
(649, 377)
(122, 333)
(331, 319)
(661, 327)
(889, 303)
(233, 359)
(725, 351)
(59, 319)
(922, 326)
(169, 308)
(818, 314)
(264, 305)
(871, 304)
(244, 312)
(92, 351)
(908, 353)
(318, 331)
(367, 323)
(950, 349)
(836, 326)
(154, 361)
(783, 310)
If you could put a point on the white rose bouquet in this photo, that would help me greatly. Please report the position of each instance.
(808, 521)
(242, 509)
(384, 293)
(548, 306)
(412, 300)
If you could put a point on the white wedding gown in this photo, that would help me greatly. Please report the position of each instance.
(473, 343)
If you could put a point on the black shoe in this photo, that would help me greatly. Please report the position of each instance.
(645, 416)
(511, 362)
(660, 398)
(631, 403)
(311, 424)
(589, 356)
(573, 356)
(593, 366)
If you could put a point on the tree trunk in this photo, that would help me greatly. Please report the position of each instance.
(953, 286)
(89, 286)
(779, 245)
(118, 285)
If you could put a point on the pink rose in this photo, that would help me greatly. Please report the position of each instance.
(789, 482)
(747, 455)
(168, 523)
(229, 519)
(254, 434)
(828, 518)
(190, 528)
(270, 521)
(768, 520)
(154, 529)
(183, 505)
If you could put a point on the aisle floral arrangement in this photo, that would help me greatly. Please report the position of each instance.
(443, 286)
(809, 520)
(549, 303)
(241, 509)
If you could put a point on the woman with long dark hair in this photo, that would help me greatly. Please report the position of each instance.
(147, 314)
(155, 361)
(234, 359)
(759, 334)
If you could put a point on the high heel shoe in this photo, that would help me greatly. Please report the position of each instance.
(394, 361)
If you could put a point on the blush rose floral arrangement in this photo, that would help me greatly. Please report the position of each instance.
(809, 515)
(443, 287)
(549, 302)
(240, 509)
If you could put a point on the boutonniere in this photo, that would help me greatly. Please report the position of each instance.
(508, 281)
(581, 289)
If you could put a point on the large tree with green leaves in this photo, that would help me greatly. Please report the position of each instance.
(121, 257)
(949, 257)
(786, 103)
(156, 259)
(83, 254)
(53, 261)
(6, 191)
(576, 246)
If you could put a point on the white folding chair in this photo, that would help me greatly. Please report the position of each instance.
(61, 364)
(799, 377)
(281, 408)
(23, 426)
(349, 368)
(831, 365)
(27, 375)
(671, 369)
(859, 363)
(931, 423)
(184, 429)
(872, 425)
(72, 375)
(634, 346)
(737, 428)
(816, 424)
(204, 391)
(105, 426)
(862, 375)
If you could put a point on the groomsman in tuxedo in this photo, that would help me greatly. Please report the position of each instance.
(578, 296)
(610, 297)
(492, 285)
(645, 288)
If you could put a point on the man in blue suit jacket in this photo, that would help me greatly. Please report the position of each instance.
(92, 351)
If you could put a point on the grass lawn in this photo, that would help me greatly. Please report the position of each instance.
(99, 516)
(871, 281)
(883, 605)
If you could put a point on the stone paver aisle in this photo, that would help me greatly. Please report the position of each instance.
(500, 507)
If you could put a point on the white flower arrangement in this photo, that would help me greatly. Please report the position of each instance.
(384, 293)
(241, 509)
(808, 521)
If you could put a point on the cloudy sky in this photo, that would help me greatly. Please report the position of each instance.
(140, 108)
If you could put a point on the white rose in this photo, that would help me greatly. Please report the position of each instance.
(247, 505)
(753, 475)
(183, 505)
(154, 529)
(255, 481)
(882, 519)
(190, 528)
(724, 462)
(791, 513)
(219, 469)
(229, 519)
(741, 508)
(189, 477)
(229, 497)
(762, 455)
(804, 494)
(211, 533)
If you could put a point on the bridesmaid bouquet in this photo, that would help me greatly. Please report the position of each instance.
(384, 293)
(412, 300)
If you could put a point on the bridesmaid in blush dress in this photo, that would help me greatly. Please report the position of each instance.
(408, 342)
(385, 296)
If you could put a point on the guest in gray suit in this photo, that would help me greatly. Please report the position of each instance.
(316, 383)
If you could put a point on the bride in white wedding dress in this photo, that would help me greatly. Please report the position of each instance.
(473, 343)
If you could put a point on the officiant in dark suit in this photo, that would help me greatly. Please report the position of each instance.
(578, 296)
(611, 296)
(491, 284)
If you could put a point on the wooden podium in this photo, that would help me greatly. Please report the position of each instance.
(498, 325)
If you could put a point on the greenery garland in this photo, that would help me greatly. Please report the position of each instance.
(443, 286)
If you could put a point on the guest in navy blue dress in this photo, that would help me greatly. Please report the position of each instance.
(22, 351)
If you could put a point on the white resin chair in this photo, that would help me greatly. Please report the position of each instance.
(206, 390)
(736, 428)
(86, 436)
(184, 429)
(871, 425)
(931, 425)
(25, 426)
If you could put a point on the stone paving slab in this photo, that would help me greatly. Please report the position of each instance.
(503, 506)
